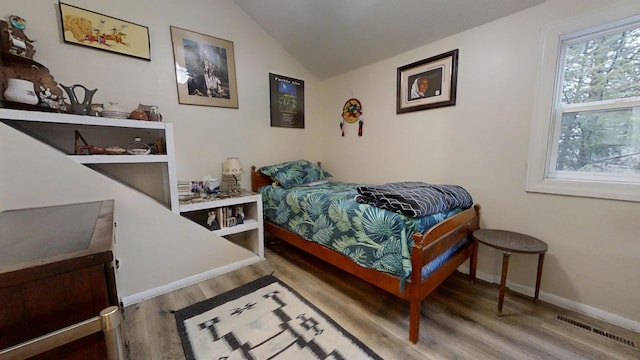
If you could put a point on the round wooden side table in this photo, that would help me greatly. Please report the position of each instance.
(508, 242)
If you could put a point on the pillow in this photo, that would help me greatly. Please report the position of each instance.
(315, 183)
(294, 173)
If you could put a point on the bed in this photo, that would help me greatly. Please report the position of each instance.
(418, 254)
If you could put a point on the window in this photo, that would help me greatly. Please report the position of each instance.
(592, 141)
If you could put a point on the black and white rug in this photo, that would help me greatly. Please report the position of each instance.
(264, 319)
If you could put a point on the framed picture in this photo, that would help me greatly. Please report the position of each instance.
(205, 69)
(287, 101)
(428, 83)
(98, 31)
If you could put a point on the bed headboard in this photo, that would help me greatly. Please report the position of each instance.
(259, 180)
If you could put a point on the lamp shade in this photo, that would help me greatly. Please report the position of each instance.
(232, 166)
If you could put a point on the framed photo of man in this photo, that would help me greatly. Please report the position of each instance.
(205, 69)
(428, 83)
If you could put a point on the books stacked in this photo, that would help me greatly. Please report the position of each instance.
(184, 191)
(225, 217)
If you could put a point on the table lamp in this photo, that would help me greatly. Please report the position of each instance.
(232, 166)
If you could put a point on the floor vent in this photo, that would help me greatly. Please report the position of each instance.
(600, 332)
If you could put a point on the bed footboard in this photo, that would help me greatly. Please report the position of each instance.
(429, 246)
(443, 235)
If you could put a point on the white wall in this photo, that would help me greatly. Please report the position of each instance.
(155, 246)
(149, 237)
(204, 136)
(482, 144)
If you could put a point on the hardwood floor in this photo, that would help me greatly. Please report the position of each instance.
(459, 319)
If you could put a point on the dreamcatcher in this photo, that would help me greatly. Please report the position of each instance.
(352, 112)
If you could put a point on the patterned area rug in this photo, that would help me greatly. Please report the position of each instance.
(264, 319)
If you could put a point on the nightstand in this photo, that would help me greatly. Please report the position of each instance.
(248, 234)
(508, 242)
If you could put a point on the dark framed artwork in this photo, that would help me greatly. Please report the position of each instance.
(287, 101)
(205, 69)
(429, 83)
(98, 31)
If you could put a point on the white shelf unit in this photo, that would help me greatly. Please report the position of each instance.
(153, 175)
(126, 159)
(250, 234)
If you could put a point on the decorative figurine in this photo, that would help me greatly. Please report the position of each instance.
(211, 220)
(50, 100)
(14, 40)
(239, 215)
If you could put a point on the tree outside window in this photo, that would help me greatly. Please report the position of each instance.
(597, 111)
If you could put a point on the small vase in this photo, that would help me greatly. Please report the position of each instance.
(138, 114)
(154, 114)
(79, 107)
(21, 91)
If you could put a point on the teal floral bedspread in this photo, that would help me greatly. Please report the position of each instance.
(329, 215)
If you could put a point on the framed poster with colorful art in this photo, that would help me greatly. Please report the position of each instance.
(205, 69)
(287, 101)
(98, 31)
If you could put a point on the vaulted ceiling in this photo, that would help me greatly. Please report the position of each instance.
(331, 37)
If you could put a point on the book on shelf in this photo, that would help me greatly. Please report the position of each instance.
(184, 188)
(229, 216)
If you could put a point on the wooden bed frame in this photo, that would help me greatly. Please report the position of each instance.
(426, 247)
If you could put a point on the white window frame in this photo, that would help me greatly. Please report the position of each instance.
(541, 177)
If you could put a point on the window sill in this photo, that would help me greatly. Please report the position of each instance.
(623, 192)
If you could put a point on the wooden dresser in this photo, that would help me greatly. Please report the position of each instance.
(56, 269)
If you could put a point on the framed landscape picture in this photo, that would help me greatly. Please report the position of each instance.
(205, 69)
(428, 83)
(98, 31)
(287, 101)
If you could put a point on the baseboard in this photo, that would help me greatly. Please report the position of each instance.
(560, 301)
(147, 294)
(494, 279)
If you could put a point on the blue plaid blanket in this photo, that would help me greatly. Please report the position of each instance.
(415, 199)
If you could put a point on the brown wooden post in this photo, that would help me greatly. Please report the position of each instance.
(503, 280)
(539, 276)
